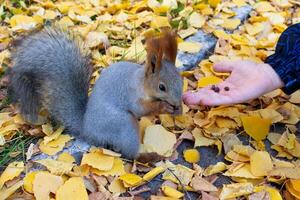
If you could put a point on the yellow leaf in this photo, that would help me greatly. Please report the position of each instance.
(131, 179)
(136, 51)
(255, 28)
(264, 6)
(210, 80)
(116, 170)
(261, 163)
(45, 183)
(152, 197)
(22, 22)
(190, 47)
(159, 22)
(158, 139)
(241, 172)
(191, 155)
(234, 190)
(28, 181)
(214, 3)
(47, 129)
(256, 127)
(56, 167)
(74, 189)
(13, 170)
(201, 140)
(55, 146)
(296, 184)
(98, 160)
(181, 172)
(295, 97)
(196, 20)
(274, 193)
(221, 34)
(167, 120)
(154, 172)
(288, 172)
(66, 157)
(171, 192)
(94, 39)
(231, 24)
(116, 187)
(292, 190)
(53, 136)
(7, 192)
(213, 169)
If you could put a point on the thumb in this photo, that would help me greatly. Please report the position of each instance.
(225, 66)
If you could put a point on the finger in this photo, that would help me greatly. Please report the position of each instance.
(225, 66)
(192, 98)
(211, 98)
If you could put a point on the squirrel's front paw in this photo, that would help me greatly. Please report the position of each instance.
(166, 107)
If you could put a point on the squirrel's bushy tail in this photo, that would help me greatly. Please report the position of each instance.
(51, 70)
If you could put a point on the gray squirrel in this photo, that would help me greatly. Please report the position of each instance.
(52, 70)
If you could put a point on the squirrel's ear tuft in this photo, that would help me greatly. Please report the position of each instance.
(163, 47)
(169, 45)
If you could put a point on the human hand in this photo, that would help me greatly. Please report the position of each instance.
(248, 80)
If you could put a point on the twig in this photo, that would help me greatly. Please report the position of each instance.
(184, 190)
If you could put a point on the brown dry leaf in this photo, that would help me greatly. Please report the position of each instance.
(295, 97)
(45, 183)
(200, 184)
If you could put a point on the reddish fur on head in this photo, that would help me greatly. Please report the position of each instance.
(163, 47)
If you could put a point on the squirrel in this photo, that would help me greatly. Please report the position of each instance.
(52, 70)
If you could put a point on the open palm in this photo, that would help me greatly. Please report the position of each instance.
(248, 80)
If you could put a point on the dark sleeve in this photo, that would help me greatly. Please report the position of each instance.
(286, 59)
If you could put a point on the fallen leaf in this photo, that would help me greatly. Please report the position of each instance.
(131, 179)
(72, 189)
(256, 127)
(13, 170)
(56, 167)
(158, 139)
(98, 161)
(28, 181)
(116, 187)
(154, 172)
(234, 190)
(196, 20)
(210, 80)
(191, 155)
(7, 192)
(261, 163)
(66, 157)
(45, 183)
(171, 192)
(213, 169)
(55, 146)
(200, 184)
(190, 47)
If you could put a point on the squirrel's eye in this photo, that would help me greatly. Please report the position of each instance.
(162, 87)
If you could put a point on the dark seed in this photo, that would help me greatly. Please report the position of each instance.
(226, 88)
(213, 87)
(217, 90)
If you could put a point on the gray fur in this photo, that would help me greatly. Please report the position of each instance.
(51, 71)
